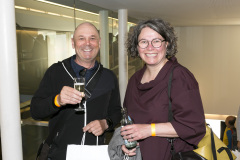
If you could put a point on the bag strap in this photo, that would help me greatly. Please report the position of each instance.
(227, 150)
(170, 114)
(213, 146)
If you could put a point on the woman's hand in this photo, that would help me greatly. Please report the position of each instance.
(136, 132)
(131, 152)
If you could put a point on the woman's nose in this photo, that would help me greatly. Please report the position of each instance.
(150, 47)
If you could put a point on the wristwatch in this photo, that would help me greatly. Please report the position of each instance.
(109, 123)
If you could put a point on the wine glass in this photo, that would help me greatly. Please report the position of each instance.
(79, 84)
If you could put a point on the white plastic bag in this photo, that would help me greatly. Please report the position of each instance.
(87, 152)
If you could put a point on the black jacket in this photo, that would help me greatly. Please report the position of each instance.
(103, 103)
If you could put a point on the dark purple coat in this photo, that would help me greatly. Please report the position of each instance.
(148, 103)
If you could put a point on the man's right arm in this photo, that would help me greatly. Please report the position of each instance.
(51, 96)
(42, 103)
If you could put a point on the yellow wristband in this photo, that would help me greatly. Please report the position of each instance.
(153, 129)
(55, 101)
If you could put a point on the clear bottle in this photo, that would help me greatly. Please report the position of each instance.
(126, 120)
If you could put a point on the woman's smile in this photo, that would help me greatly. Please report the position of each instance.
(151, 54)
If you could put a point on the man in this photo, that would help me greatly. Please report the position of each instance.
(56, 98)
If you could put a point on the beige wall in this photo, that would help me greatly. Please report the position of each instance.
(212, 53)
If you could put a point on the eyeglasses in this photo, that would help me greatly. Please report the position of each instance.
(156, 43)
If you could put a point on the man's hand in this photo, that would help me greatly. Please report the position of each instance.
(96, 127)
(69, 95)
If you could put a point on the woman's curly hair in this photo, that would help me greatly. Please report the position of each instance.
(160, 26)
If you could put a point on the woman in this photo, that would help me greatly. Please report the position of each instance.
(147, 99)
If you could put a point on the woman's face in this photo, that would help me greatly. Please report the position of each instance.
(151, 55)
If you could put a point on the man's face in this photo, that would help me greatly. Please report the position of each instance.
(86, 42)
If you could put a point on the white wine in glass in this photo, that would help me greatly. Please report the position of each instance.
(79, 84)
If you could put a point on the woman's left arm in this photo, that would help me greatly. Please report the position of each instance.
(189, 119)
(141, 131)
